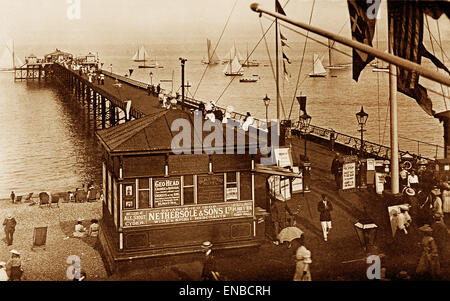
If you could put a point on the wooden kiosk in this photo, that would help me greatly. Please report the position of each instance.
(158, 203)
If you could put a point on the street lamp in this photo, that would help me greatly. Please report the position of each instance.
(305, 121)
(266, 103)
(362, 116)
(366, 230)
(183, 61)
(110, 66)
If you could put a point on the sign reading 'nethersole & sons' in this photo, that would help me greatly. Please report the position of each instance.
(192, 213)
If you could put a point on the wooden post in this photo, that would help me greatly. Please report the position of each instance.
(94, 109)
(103, 108)
(112, 114)
(88, 101)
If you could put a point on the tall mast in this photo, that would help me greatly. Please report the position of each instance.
(393, 111)
(13, 58)
(276, 65)
(329, 52)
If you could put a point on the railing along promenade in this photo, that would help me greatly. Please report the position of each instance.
(430, 151)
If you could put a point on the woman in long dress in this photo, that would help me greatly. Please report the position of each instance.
(303, 261)
(428, 265)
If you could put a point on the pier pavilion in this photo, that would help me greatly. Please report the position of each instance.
(159, 202)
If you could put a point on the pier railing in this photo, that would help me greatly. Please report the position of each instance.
(423, 150)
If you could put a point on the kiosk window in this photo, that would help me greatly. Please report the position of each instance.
(144, 193)
(231, 187)
(188, 190)
(210, 189)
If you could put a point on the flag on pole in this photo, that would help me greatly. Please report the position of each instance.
(286, 73)
(302, 102)
(363, 29)
(286, 58)
(408, 19)
(278, 8)
(284, 44)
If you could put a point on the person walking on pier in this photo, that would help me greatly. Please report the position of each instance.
(14, 266)
(336, 169)
(10, 226)
(303, 261)
(428, 265)
(12, 196)
(325, 207)
(158, 89)
(209, 272)
(149, 90)
(102, 77)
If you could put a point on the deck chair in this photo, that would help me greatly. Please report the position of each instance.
(18, 199)
(55, 200)
(28, 197)
(44, 199)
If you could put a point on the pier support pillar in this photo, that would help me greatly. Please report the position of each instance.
(103, 108)
(94, 110)
(88, 102)
(112, 114)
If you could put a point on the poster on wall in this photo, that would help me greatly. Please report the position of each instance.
(232, 193)
(210, 189)
(349, 176)
(129, 197)
(283, 157)
(370, 164)
(379, 182)
(167, 192)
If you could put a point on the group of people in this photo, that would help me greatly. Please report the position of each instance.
(11, 270)
(87, 193)
(82, 231)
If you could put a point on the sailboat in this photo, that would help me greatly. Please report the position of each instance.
(234, 52)
(249, 62)
(233, 68)
(142, 56)
(8, 61)
(213, 58)
(335, 64)
(318, 69)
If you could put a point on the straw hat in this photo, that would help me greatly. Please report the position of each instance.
(436, 190)
(409, 191)
(15, 252)
(426, 228)
(9, 216)
(404, 207)
(80, 219)
(2, 263)
(393, 212)
(206, 245)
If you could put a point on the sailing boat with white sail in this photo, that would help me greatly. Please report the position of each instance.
(336, 62)
(8, 61)
(318, 69)
(234, 52)
(233, 68)
(213, 58)
(248, 62)
(142, 56)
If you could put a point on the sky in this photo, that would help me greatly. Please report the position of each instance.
(115, 21)
(112, 22)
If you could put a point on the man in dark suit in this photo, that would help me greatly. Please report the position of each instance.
(325, 207)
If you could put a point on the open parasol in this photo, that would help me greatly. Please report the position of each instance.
(289, 234)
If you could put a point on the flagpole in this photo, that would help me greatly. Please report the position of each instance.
(276, 66)
(393, 112)
(387, 57)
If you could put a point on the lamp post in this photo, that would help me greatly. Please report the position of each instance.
(305, 121)
(110, 66)
(183, 61)
(366, 231)
(151, 78)
(362, 116)
(266, 103)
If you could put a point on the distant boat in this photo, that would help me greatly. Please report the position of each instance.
(213, 58)
(252, 79)
(234, 52)
(380, 66)
(233, 68)
(318, 69)
(249, 62)
(335, 61)
(8, 61)
(142, 56)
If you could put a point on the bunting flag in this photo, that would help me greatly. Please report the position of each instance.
(285, 72)
(302, 102)
(408, 19)
(284, 44)
(363, 29)
(286, 58)
(278, 8)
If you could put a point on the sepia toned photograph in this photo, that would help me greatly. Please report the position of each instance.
(214, 141)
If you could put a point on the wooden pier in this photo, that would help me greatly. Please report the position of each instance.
(33, 72)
